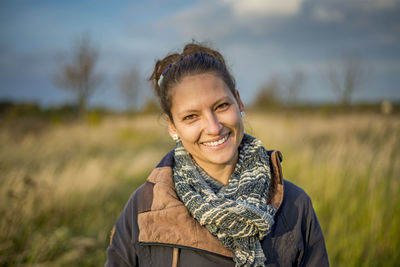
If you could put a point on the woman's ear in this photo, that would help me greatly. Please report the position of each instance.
(171, 128)
(240, 103)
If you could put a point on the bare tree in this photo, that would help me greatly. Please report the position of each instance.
(130, 87)
(347, 77)
(78, 74)
(293, 86)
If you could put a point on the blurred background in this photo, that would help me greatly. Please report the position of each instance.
(80, 128)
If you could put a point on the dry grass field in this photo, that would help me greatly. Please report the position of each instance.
(62, 186)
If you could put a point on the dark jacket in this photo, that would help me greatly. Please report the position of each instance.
(156, 229)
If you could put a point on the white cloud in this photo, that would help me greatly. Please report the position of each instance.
(245, 8)
(325, 14)
(205, 21)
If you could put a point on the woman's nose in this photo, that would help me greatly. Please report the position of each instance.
(212, 125)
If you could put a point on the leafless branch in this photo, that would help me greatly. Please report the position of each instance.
(78, 75)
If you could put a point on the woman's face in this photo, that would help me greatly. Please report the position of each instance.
(207, 119)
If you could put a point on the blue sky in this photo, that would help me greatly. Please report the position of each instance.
(259, 38)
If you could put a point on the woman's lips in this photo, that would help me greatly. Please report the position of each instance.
(218, 142)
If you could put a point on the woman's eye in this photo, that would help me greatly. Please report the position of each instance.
(189, 117)
(222, 106)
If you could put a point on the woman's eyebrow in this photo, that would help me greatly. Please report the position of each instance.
(187, 111)
(221, 99)
(194, 110)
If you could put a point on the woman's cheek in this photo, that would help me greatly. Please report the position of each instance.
(231, 118)
(191, 132)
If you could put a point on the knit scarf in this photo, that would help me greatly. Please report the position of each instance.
(238, 213)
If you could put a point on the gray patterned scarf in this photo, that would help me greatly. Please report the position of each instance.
(238, 213)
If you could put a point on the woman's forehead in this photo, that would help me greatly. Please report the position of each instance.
(198, 90)
(199, 85)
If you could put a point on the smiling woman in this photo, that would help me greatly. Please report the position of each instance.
(206, 117)
(218, 198)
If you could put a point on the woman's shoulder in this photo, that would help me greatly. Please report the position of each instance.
(295, 197)
(293, 191)
(297, 207)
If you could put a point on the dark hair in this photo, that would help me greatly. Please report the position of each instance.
(195, 59)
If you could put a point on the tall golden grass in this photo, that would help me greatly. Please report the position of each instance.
(63, 186)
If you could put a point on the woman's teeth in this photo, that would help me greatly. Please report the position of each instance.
(216, 143)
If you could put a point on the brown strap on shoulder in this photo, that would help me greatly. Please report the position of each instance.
(276, 185)
(112, 235)
(175, 257)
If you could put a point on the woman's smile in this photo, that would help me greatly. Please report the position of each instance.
(218, 143)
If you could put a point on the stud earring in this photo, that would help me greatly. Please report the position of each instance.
(175, 137)
(242, 113)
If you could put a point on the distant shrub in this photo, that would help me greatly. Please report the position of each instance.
(151, 106)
